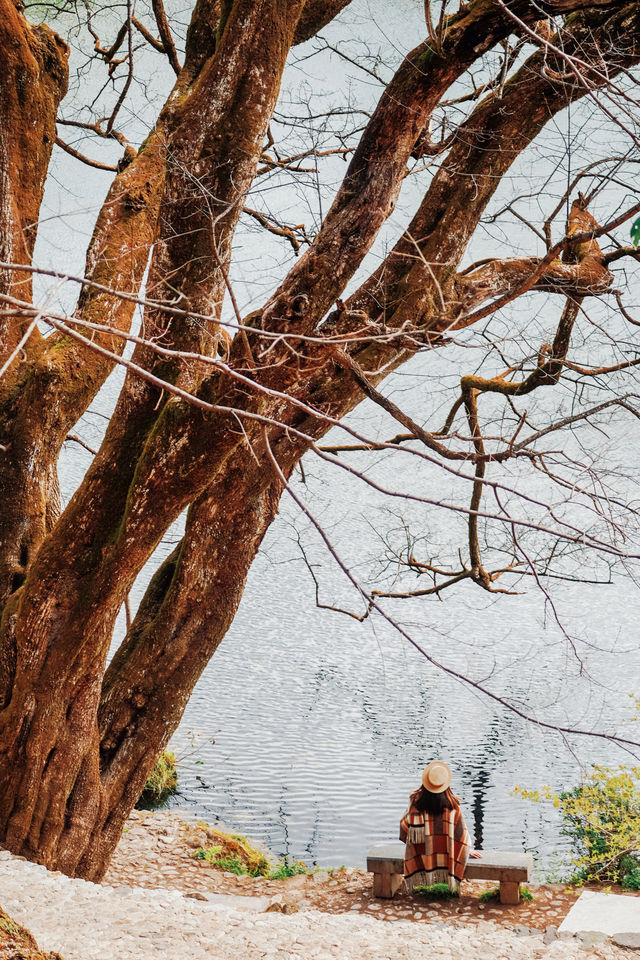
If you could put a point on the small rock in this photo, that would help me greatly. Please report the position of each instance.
(276, 906)
(521, 931)
(550, 934)
(631, 941)
(321, 877)
(565, 935)
(350, 889)
(280, 906)
(195, 895)
(591, 938)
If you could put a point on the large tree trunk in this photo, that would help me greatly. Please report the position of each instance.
(57, 626)
(33, 80)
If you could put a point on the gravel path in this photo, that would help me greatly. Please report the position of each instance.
(86, 921)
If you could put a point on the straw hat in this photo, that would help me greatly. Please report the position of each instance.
(436, 777)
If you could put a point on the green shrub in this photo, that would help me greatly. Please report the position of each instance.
(601, 816)
(161, 784)
(437, 891)
(631, 880)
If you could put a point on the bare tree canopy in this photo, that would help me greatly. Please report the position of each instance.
(223, 397)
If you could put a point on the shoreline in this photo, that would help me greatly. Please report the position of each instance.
(157, 850)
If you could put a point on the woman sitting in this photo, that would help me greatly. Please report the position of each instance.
(436, 837)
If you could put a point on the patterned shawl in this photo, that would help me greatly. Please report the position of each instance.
(437, 847)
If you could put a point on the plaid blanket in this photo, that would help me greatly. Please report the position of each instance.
(437, 847)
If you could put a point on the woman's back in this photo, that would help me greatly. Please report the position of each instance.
(433, 829)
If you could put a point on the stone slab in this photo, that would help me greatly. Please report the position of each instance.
(500, 865)
(388, 857)
(630, 941)
(608, 913)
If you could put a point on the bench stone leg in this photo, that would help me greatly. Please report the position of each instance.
(509, 892)
(386, 885)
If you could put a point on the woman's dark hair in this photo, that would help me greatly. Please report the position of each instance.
(433, 803)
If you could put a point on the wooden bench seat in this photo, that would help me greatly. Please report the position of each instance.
(386, 862)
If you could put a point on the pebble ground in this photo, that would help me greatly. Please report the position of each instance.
(85, 921)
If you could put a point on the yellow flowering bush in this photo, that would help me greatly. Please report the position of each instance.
(602, 817)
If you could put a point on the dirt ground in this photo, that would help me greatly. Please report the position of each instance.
(157, 850)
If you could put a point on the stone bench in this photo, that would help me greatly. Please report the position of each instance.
(386, 862)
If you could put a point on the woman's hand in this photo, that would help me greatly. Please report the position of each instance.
(475, 855)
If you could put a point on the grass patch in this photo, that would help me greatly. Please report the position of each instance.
(161, 784)
(493, 895)
(233, 864)
(232, 853)
(210, 854)
(436, 891)
(285, 869)
(253, 863)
